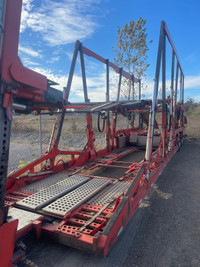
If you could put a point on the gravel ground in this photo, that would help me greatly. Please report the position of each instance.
(165, 230)
(20, 154)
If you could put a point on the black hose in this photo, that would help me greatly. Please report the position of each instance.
(102, 116)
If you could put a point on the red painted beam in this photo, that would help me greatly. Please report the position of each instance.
(7, 242)
(11, 68)
(90, 53)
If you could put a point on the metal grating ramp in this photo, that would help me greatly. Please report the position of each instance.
(109, 194)
(78, 196)
(47, 195)
(46, 182)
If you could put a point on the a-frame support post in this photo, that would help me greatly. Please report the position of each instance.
(155, 93)
(57, 129)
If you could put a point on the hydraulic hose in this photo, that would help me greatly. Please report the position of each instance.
(103, 117)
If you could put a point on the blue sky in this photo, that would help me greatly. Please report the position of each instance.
(49, 29)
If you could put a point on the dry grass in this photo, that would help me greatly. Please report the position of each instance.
(193, 123)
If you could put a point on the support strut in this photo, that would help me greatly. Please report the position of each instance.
(5, 125)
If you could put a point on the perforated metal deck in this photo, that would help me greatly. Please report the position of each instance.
(109, 194)
(40, 198)
(78, 196)
(39, 185)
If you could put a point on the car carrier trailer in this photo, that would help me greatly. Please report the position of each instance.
(84, 198)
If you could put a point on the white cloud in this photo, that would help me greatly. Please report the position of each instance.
(96, 85)
(53, 59)
(29, 51)
(60, 79)
(60, 22)
(192, 82)
(26, 9)
(27, 62)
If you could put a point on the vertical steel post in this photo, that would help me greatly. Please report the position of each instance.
(155, 93)
(107, 113)
(176, 85)
(182, 100)
(171, 105)
(57, 129)
(71, 73)
(107, 81)
(83, 73)
(164, 75)
(181, 95)
(139, 89)
(5, 127)
(88, 116)
(40, 133)
(180, 87)
(119, 85)
(164, 108)
(175, 95)
(133, 87)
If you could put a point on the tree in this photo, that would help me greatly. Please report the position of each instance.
(131, 51)
(190, 105)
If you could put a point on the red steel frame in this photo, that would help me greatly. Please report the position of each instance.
(142, 175)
